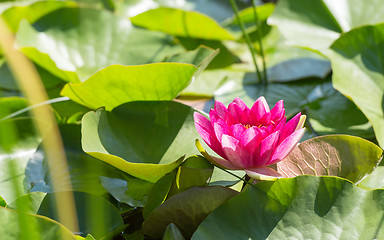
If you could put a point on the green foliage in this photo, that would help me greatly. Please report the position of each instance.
(124, 79)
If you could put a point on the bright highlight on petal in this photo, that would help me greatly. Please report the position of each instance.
(252, 139)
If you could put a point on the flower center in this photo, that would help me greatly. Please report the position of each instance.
(260, 125)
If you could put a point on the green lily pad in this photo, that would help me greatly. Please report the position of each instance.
(357, 62)
(159, 192)
(85, 171)
(19, 225)
(344, 156)
(181, 23)
(132, 191)
(19, 141)
(145, 139)
(75, 43)
(96, 215)
(30, 202)
(305, 207)
(186, 210)
(32, 12)
(118, 84)
(316, 24)
(195, 171)
(374, 180)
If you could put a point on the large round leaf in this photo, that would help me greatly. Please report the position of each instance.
(18, 142)
(316, 24)
(36, 227)
(357, 63)
(339, 155)
(32, 12)
(182, 23)
(74, 43)
(305, 207)
(143, 139)
(96, 215)
(186, 210)
(85, 171)
(118, 84)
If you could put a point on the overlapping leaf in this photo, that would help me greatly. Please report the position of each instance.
(316, 24)
(305, 207)
(144, 139)
(345, 156)
(186, 210)
(357, 63)
(97, 39)
(118, 84)
(34, 227)
(182, 23)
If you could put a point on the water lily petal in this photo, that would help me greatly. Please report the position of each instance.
(214, 160)
(205, 129)
(262, 155)
(237, 130)
(252, 137)
(259, 108)
(291, 125)
(240, 103)
(266, 119)
(234, 151)
(265, 173)
(220, 130)
(224, 163)
(239, 113)
(278, 111)
(286, 146)
(220, 112)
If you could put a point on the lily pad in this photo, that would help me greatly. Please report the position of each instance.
(118, 84)
(75, 43)
(37, 177)
(96, 215)
(145, 139)
(344, 156)
(316, 24)
(20, 143)
(19, 225)
(181, 23)
(357, 63)
(305, 207)
(186, 210)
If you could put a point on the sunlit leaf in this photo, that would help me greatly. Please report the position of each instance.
(118, 84)
(305, 207)
(316, 24)
(39, 227)
(357, 63)
(144, 139)
(97, 39)
(344, 156)
(181, 23)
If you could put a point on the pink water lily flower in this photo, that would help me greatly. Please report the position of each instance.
(250, 139)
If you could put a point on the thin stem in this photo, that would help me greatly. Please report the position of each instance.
(247, 39)
(258, 34)
(240, 178)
